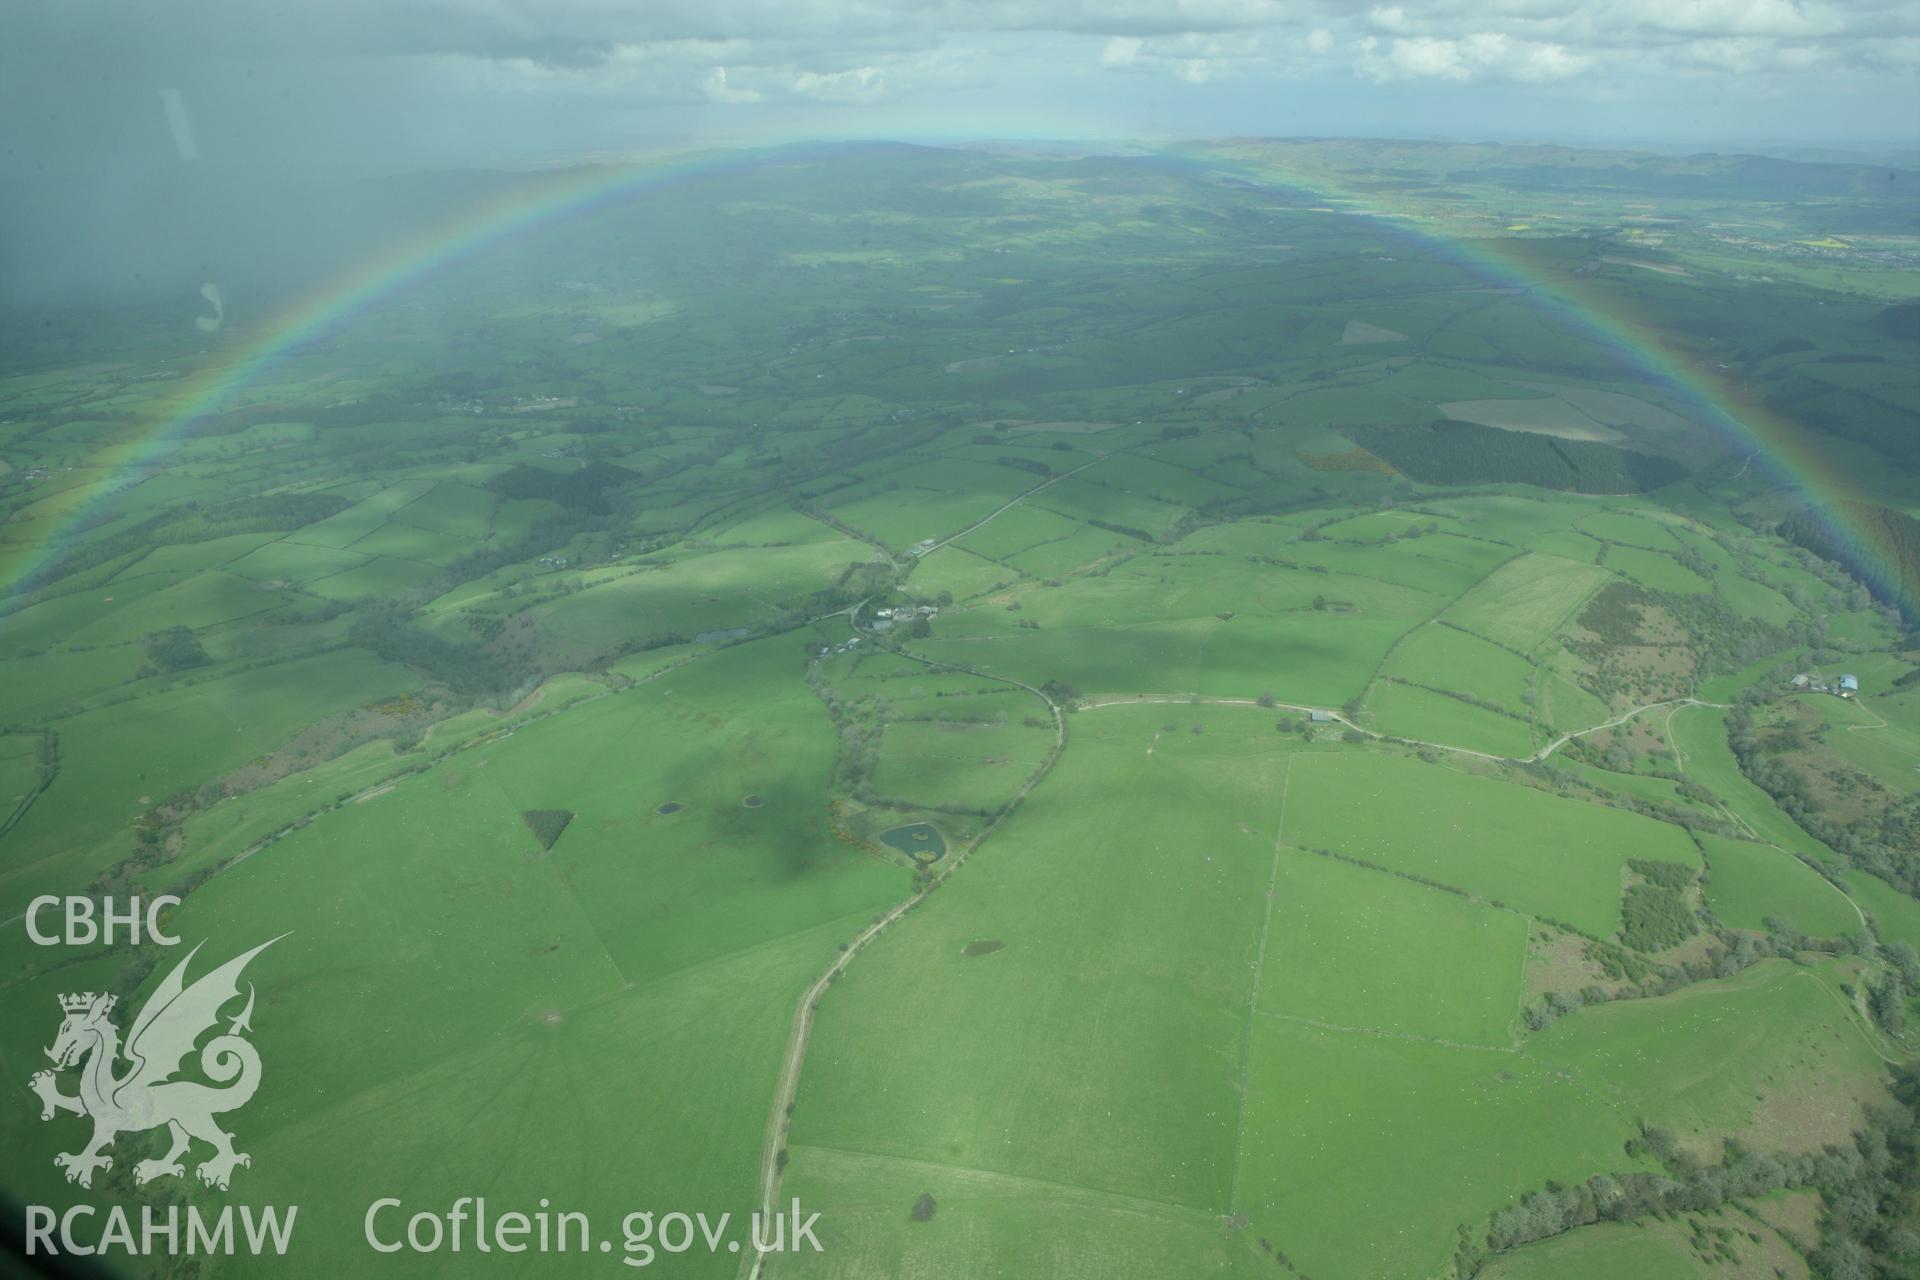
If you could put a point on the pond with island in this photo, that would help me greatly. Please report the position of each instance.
(920, 841)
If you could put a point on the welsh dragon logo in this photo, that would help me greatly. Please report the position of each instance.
(147, 1095)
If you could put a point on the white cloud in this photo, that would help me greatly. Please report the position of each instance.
(855, 84)
(1477, 56)
(717, 89)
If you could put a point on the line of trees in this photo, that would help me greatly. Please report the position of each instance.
(1870, 1193)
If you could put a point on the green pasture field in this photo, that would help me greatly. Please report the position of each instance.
(990, 1222)
(1161, 480)
(1015, 530)
(1448, 658)
(1879, 736)
(1658, 790)
(1473, 553)
(273, 638)
(50, 683)
(20, 769)
(1748, 883)
(204, 599)
(1783, 574)
(1406, 1139)
(1312, 659)
(1378, 526)
(1725, 688)
(1079, 498)
(1865, 627)
(191, 557)
(1771, 1056)
(1569, 544)
(958, 475)
(903, 517)
(1217, 446)
(1564, 706)
(455, 509)
(1700, 735)
(263, 435)
(1423, 715)
(1174, 583)
(1360, 949)
(1468, 1129)
(169, 738)
(1603, 1251)
(51, 624)
(1619, 526)
(380, 576)
(1525, 601)
(773, 526)
(225, 831)
(410, 542)
(1163, 842)
(1515, 515)
(1896, 915)
(541, 981)
(289, 560)
(1656, 570)
(717, 590)
(976, 765)
(1554, 858)
(361, 519)
(1409, 565)
(1081, 550)
(915, 693)
(1743, 594)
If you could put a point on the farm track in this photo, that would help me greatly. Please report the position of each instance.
(800, 1037)
(1861, 729)
(1340, 718)
(1017, 500)
(1680, 762)
(1268, 905)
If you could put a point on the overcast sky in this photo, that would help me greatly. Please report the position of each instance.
(381, 84)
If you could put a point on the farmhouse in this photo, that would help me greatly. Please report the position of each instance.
(1320, 717)
(1845, 686)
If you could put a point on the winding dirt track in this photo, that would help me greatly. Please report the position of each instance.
(801, 1034)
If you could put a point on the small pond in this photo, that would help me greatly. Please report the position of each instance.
(919, 841)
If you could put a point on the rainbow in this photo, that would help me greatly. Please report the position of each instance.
(541, 199)
(1783, 452)
(1779, 449)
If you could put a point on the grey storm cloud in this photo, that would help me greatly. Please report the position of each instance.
(414, 79)
(141, 136)
(590, 32)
